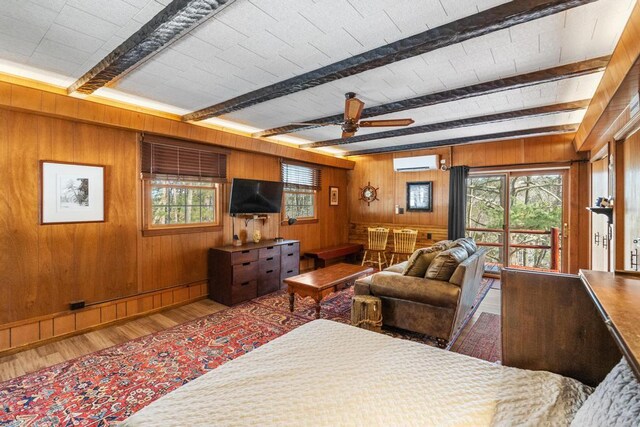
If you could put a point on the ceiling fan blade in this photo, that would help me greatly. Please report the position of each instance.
(313, 124)
(384, 123)
(353, 109)
(347, 134)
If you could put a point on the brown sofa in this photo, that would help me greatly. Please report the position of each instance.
(432, 307)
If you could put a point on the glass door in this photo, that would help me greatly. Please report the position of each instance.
(486, 217)
(536, 207)
(519, 217)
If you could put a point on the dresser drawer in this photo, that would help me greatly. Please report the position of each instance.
(269, 265)
(288, 272)
(290, 248)
(245, 272)
(269, 282)
(269, 251)
(244, 291)
(244, 256)
(290, 261)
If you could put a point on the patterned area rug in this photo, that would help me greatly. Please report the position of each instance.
(476, 344)
(107, 386)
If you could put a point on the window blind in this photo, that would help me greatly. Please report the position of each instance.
(299, 176)
(166, 156)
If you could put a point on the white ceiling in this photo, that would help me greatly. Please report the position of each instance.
(254, 43)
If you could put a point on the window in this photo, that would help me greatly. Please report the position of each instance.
(301, 182)
(181, 182)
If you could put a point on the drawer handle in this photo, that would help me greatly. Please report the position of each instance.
(246, 252)
(245, 283)
(246, 263)
(290, 271)
(290, 244)
(289, 254)
(269, 271)
(270, 259)
(269, 247)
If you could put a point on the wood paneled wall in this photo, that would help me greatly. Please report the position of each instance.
(18, 94)
(378, 169)
(622, 60)
(630, 204)
(44, 267)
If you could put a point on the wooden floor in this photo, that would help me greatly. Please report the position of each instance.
(56, 352)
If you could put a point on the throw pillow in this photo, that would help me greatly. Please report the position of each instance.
(420, 261)
(445, 244)
(445, 263)
(616, 400)
(467, 243)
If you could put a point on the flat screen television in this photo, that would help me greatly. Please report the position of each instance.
(249, 196)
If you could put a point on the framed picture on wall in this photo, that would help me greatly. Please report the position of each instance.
(333, 196)
(420, 196)
(71, 193)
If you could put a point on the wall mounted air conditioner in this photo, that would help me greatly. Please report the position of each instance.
(415, 164)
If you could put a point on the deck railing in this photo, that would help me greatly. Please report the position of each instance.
(554, 245)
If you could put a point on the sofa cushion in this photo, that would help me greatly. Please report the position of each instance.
(397, 268)
(467, 243)
(425, 291)
(445, 263)
(616, 400)
(420, 260)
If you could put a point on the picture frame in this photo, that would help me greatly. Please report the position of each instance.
(334, 196)
(71, 192)
(420, 196)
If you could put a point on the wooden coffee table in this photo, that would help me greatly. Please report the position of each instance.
(318, 284)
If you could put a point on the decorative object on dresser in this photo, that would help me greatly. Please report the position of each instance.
(318, 284)
(369, 193)
(71, 193)
(420, 196)
(333, 196)
(238, 274)
(321, 256)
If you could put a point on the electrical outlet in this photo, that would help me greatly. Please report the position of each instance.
(429, 236)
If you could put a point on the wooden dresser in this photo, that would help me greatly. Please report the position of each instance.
(240, 273)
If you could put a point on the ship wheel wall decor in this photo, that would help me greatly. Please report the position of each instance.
(369, 193)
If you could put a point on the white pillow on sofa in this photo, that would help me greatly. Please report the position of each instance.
(615, 402)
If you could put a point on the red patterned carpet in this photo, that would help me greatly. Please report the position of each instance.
(107, 386)
(476, 344)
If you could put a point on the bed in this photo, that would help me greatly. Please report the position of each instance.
(326, 373)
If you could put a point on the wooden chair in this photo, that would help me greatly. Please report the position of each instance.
(377, 245)
(404, 243)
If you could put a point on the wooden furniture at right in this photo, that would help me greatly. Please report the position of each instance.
(318, 284)
(321, 256)
(376, 245)
(241, 273)
(617, 299)
(404, 243)
(550, 323)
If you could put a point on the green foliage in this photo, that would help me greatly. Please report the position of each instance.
(535, 204)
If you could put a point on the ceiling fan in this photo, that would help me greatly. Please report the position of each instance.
(352, 111)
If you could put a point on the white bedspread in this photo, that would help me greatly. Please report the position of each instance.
(329, 374)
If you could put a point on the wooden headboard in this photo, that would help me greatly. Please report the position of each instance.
(550, 323)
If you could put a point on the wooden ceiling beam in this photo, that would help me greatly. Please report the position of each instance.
(171, 23)
(549, 75)
(565, 107)
(497, 18)
(550, 130)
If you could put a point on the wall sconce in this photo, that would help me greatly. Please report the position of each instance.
(443, 165)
